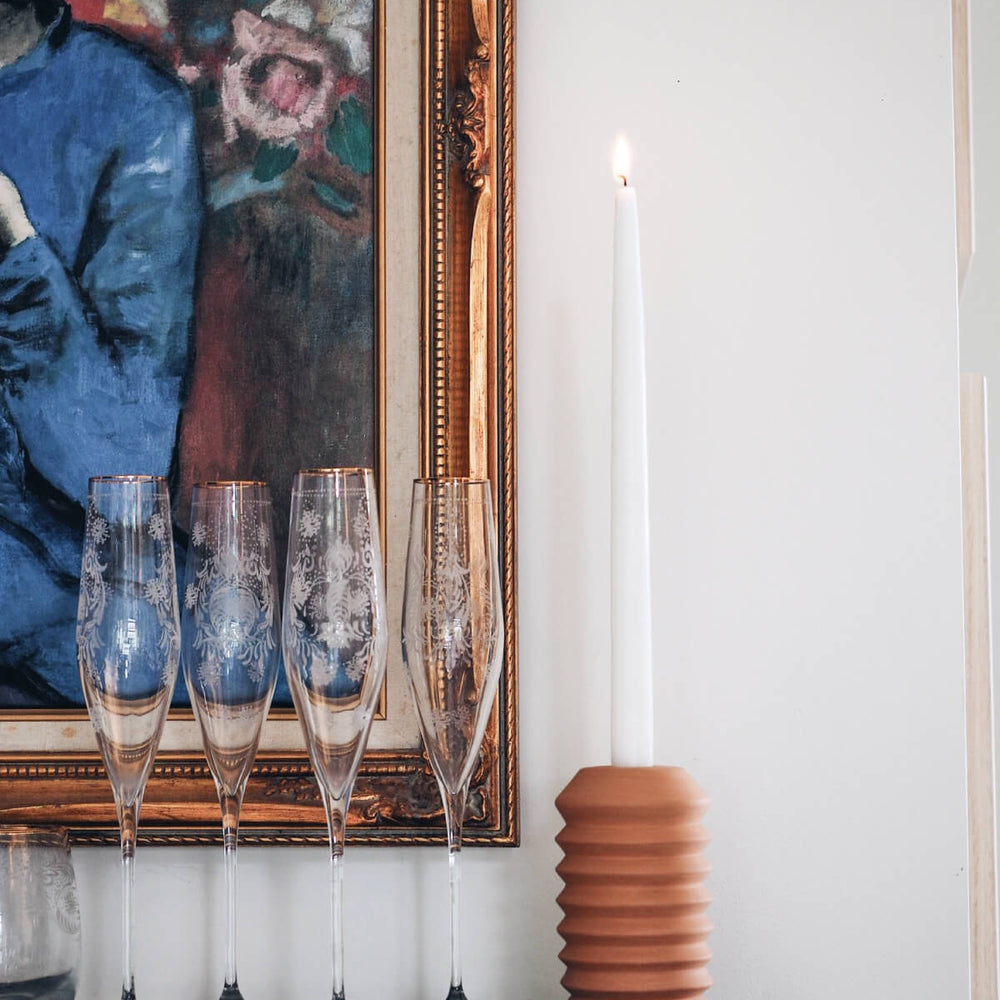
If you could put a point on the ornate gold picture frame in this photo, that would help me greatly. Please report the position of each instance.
(447, 397)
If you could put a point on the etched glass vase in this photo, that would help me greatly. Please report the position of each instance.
(39, 915)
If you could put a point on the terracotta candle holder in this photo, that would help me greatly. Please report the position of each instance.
(634, 866)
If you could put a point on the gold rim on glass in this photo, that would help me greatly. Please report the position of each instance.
(346, 470)
(128, 479)
(227, 484)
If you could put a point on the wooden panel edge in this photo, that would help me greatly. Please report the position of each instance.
(979, 690)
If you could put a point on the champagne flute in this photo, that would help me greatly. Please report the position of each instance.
(229, 632)
(334, 638)
(452, 646)
(128, 641)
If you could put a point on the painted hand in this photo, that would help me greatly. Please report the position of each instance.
(15, 226)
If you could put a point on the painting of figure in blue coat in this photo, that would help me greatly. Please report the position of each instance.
(186, 273)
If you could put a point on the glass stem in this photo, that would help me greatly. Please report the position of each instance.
(454, 813)
(128, 820)
(230, 834)
(336, 810)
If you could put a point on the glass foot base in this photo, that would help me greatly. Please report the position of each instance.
(49, 988)
(456, 993)
(231, 993)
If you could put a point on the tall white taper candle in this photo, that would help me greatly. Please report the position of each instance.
(631, 638)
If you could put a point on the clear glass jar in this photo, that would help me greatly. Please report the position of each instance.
(39, 915)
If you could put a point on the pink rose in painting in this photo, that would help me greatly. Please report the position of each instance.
(280, 82)
(288, 86)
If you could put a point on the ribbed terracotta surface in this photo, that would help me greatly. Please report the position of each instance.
(634, 865)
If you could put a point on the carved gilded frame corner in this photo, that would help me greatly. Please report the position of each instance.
(468, 356)
(466, 427)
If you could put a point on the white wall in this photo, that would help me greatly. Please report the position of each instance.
(794, 168)
(980, 310)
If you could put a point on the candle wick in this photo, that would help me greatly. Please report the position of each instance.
(623, 179)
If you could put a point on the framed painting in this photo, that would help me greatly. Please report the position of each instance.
(262, 235)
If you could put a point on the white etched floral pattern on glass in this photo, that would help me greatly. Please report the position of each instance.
(231, 602)
(452, 626)
(332, 586)
(156, 590)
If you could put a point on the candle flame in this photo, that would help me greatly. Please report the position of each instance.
(622, 159)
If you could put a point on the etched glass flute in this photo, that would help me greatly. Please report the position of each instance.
(230, 652)
(452, 646)
(335, 638)
(128, 640)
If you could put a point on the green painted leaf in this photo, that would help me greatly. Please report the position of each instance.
(335, 201)
(271, 161)
(208, 96)
(350, 137)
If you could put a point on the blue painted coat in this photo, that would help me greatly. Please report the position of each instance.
(95, 313)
